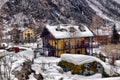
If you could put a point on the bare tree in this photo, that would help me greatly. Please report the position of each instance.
(112, 51)
(96, 22)
(7, 67)
(95, 25)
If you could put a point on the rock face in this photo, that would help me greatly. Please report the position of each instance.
(56, 11)
(48, 11)
(110, 8)
(26, 70)
(86, 69)
(38, 76)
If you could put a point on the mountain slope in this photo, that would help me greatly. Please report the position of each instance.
(109, 8)
(57, 11)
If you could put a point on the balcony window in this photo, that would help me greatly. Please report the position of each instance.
(78, 44)
(67, 44)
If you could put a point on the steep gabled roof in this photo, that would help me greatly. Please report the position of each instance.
(65, 31)
(28, 28)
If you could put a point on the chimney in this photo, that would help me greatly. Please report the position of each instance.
(58, 27)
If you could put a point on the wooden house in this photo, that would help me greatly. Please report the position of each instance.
(15, 35)
(61, 39)
(28, 35)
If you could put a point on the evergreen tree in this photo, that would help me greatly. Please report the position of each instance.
(115, 36)
(17, 38)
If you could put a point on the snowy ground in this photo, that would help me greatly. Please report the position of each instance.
(51, 70)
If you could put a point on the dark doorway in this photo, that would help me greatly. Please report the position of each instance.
(78, 52)
(67, 52)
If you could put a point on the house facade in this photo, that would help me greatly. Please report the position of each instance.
(15, 37)
(62, 39)
(118, 30)
(102, 35)
(28, 35)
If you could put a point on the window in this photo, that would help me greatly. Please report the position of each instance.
(72, 29)
(78, 44)
(28, 35)
(67, 43)
(25, 37)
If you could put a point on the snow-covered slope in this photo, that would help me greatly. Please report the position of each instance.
(118, 1)
(52, 71)
(2, 2)
(106, 9)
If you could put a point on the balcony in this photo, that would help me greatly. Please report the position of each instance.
(76, 46)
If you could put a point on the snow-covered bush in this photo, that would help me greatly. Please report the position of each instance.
(112, 51)
(82, 69)
(100, 56)
(66, 65)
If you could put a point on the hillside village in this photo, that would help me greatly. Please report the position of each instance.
(73, 48)
(96, 32)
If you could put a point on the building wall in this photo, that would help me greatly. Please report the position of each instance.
(68, 46)
(102, 39)
(56, 47)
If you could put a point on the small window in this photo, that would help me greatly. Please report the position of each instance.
(67, 43)
(25, 37)
(72, 29)
(63, 30)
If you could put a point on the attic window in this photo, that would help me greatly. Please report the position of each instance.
(82, 28)
(58, 28)
(61, 29)
(72, 29)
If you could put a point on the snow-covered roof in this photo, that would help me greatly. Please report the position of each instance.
(102, 32)
(64, 31)
(78, 59)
